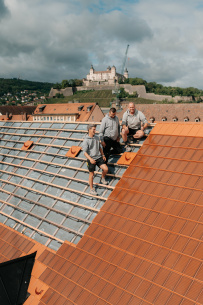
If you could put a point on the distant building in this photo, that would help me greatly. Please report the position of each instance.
(69, 112)
(16, 113)
(110, 76)
(169, 112)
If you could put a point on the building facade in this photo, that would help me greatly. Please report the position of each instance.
(110, 76)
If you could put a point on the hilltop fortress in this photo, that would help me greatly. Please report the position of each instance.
(106, 80)
(108, 77)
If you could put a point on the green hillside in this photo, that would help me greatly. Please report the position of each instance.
(102, 97)
(14, 86)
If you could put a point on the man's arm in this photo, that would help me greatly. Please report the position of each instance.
(89, 158)
(101, 130)
(102, 153)
(144, 122)
(119, 130)
(124, 120)
(144, 127)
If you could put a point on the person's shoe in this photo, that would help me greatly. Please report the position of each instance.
(93, 192)
(128, 148)
(103, 181)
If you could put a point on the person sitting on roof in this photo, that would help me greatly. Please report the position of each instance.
(134, 123)
(95, 156)
(109, 133)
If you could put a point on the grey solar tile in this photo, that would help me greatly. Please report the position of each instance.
(54, 191)
(54, 245)
(39, 211)
(64, 235)
(45, 140)
(25, 205)
(40, 238)
(7, 209)
(18, 215)
(20, 191)
(48, 228)
(3, 218)
(55, 217)
(70, 196)
(70, 126)
(63, 206)
(46, 200)
(14, 200)
(10, 223)
(32, 221)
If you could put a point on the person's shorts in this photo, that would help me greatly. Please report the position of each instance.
(91, 167)
(132, 131)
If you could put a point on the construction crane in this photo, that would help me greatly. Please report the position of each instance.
(117, 91)
(124, 61)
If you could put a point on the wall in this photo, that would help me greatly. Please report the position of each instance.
(97, 115)
(66, 92)
(140, 89)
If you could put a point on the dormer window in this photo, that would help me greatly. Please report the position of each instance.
(186, 119)
(152, 119)
(197, 119)
(164, 119)
(175, 119)
(89, 108)
(80, 107)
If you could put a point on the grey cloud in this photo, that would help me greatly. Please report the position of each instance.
(118, 26)
(49, 41)
(3, 9)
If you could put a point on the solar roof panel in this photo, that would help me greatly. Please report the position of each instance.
(44, 194)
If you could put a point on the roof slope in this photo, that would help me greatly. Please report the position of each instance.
(83, 110)
(145, 245)
(43, 193)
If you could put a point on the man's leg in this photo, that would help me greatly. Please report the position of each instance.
(117, 149)
(91, 176)
(124, 134)
(107, 148)
(104, 172)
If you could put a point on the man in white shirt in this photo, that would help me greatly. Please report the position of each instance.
(134, 123)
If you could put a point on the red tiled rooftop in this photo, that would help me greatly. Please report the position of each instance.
(145, 245)
(71, 109)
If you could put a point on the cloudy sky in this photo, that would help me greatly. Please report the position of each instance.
(49, 40)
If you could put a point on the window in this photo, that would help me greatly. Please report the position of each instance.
(197, 119)
(186, 119)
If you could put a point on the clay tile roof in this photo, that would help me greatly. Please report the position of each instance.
(66, 109)
(145, 245)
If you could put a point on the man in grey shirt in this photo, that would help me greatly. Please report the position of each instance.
(134, 123)
(95, 156)
(109, 133)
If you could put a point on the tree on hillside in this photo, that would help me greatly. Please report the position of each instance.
(65, 84)
(57, 86)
